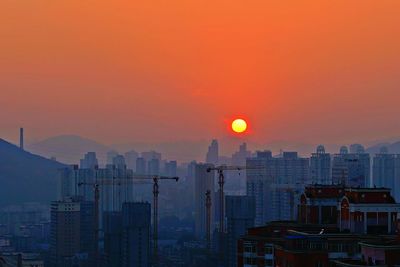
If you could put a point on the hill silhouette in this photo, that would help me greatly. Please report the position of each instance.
(26, 177)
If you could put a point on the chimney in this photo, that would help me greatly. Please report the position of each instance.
(21, 138)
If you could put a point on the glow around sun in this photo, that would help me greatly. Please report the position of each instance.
(239, 125)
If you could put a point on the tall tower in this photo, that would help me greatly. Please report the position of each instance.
(21, 138)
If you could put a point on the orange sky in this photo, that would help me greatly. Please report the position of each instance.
(120, 71)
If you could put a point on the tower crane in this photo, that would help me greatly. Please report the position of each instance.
(208, 219)
(126, 181)
(221, 182)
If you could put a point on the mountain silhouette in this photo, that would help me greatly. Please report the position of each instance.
(26, 177)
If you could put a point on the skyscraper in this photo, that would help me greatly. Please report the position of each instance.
(111, 155)
(127, 235)
(320, 167)
(203, 181)
(136, 222)
(240, 215)
(212, 153)
(351, 169)
(130, 158)
(141, 166)
(386, 173)
(89, 161)
(72, 232)
(278, 185)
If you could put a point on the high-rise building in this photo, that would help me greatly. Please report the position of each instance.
(111, 155)
(204, 181)
(136, 222)
(240, 215)
(112, 225)
(320, 167)
(276, 184)
(171, 168)
(141, 166)
(89, 161)
(119, 162)
(351, 169)
(386, 173)
(149, 155)
(130, 158)
(212, 153)
(72, 232)
(153, 167)
(127, 235)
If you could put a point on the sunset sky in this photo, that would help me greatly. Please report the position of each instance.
(121, 71)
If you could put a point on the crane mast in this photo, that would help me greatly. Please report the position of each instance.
(125, 181)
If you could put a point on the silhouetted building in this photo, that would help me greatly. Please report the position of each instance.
(111, 155)
(112, 225)
(351, 169)
(203, 181)
(240, 215)
(141, 166)
(153, 167)
(130, 158)
(72, 233)
(171, 168)
(386, 172)
(136, 222)
(320, 167)
(89, 161)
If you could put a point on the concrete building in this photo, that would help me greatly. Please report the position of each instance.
(240, 215)
(72, 233)
(171, 168)
(141, 166)
(130, 158)
(136, 223)
(276, 184)
(127, 236)
(203, 181)
(153, 167)
(320, 167)
(386, 173)
(89, 161)
(351, 169)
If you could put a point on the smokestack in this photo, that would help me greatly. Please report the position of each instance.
(21, 138)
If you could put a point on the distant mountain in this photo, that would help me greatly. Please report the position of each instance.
(25, 177)
(68, 148)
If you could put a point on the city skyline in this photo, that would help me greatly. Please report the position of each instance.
(167, 72)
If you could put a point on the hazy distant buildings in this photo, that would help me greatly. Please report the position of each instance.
(277, 187)
(386, 173)
(153, 167)
(141, 166)
(320, 167)
(351, 169)
(130, 158)
(171, 168)
(89, 161)
(212, 153)
(203, 181)
(240, 215)
(110, 156)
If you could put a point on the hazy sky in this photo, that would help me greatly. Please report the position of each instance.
(117, 71)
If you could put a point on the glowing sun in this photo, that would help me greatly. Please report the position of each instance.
(239, 125)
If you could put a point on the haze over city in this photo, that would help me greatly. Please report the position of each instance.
(120, 72)
(199, 133)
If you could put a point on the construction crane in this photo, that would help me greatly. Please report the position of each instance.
(156, 191)
(126, 181)
(221, 183)
(208, 219)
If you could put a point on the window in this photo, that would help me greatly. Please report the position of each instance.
(268, 250)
